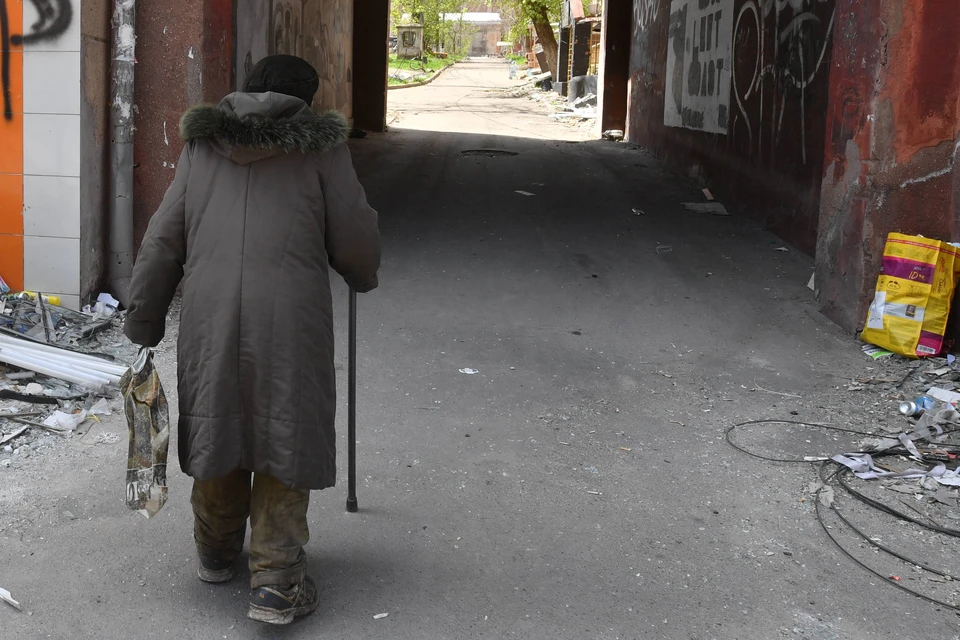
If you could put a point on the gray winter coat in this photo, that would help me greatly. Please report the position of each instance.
(265, 197)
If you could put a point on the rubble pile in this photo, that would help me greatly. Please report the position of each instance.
(59, 370)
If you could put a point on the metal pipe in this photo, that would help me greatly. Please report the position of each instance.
(80, 358)
(120, 252)
(63, 363)
(24, 362)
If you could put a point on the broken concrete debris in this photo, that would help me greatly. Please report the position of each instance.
(58, 369)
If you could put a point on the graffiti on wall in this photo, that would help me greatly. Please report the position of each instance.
(53, 19)
(644, 12)
(697, 93)
(285, 28)
(779, 52)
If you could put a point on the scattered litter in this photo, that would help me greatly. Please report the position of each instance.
(876, 353)
(638, 212)
(107, 438)
(664, 248)
(524, 193)
(468, 371)
(826, 496)
(946, 497)
(708, 195)
(949, 397)
(783, 249)
(595, 493)
(909, 314)
(613, 134)
(380, 616)
(895, 578)
(715, 208)
(566, 444)
(65, 421)
(34, 389)
(3, 287)
(586, 114)
(625, 449)
(757, 387)
(812, 284)
(11, 436)
(100, 408)
(942, 371)
(6, 597)
(41, 318)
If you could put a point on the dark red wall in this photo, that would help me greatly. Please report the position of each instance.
(184, 57)
(892, 142)
(615, 48)
(770, 162)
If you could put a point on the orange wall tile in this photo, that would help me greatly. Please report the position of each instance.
(11, 261)
(11, 203)
(11, 160)
(11, 131)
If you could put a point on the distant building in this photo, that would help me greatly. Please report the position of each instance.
(487, 28)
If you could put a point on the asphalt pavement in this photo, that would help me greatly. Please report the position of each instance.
(577, 486)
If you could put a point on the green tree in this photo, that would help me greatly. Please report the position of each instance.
(436, 29)
(541, 13)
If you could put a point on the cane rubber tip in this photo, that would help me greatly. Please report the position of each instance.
(352, 505)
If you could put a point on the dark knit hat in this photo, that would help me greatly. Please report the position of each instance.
(288, 75)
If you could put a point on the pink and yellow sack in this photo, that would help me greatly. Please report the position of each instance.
(914, 292)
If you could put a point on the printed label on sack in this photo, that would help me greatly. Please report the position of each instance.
(875, 319)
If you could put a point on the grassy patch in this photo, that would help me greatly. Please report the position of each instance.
(429, 63)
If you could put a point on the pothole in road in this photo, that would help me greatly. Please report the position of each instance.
(490, 153)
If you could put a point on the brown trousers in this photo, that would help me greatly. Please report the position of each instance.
(278, 525)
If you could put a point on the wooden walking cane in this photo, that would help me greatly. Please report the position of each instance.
(352, 505)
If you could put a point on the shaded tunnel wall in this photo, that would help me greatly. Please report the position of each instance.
(734, 93)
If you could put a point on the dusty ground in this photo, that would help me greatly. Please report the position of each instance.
(579, 486)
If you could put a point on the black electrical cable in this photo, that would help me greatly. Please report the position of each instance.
(886, 579)
(876, 504)
(729, 438)
(886, 549)
(838, 474)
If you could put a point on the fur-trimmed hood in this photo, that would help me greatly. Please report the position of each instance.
(247, 127)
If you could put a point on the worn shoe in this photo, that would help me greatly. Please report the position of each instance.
(215, 571)
(276, 605)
